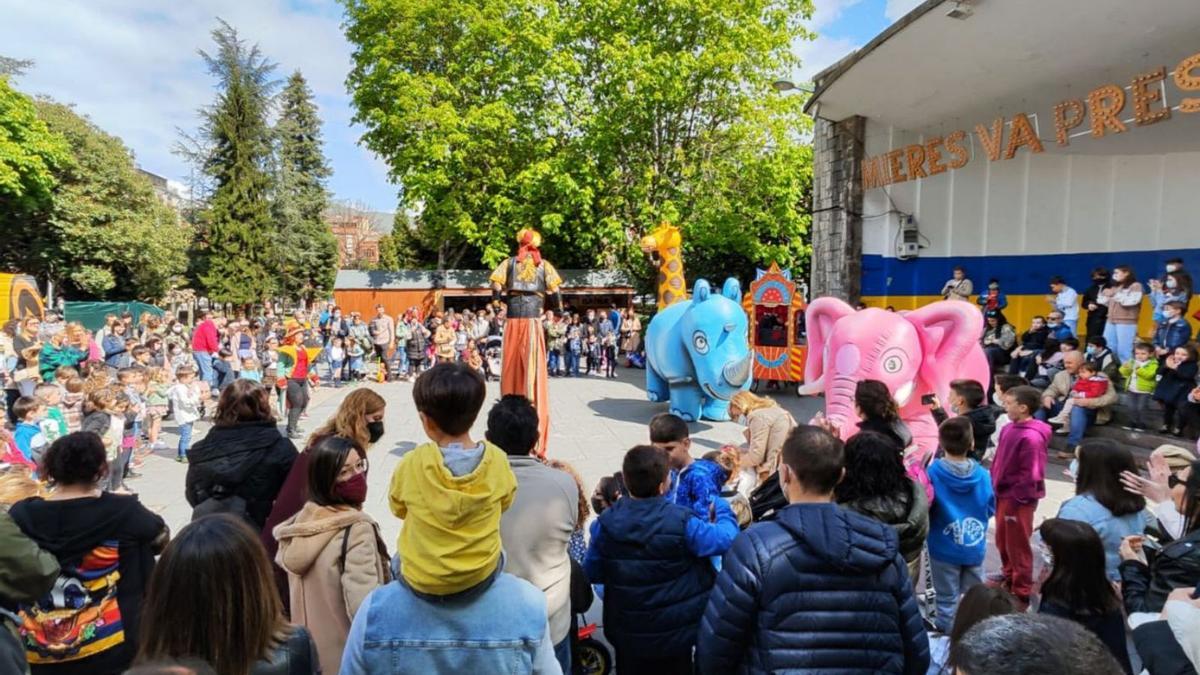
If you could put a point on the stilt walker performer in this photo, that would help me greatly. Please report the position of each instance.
(526, 279)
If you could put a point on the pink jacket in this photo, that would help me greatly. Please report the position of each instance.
(1019, 468)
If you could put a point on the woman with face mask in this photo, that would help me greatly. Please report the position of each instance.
(359, 420)
(331, 549)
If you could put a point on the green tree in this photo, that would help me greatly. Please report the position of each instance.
(389, 253)
(108, 235)
(235, 257)
(591, 120)
(306, 247)
(30, 154)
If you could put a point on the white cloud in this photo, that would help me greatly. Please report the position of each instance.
(132, 67)
(898, 8)
(816, 55)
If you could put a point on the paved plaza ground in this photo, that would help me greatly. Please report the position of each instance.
(593, 422)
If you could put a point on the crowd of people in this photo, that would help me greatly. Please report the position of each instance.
(784, 550)
(1084, 372)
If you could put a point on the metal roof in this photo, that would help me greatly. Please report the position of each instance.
(416, 280)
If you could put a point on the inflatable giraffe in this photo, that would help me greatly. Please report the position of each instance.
(666, 243)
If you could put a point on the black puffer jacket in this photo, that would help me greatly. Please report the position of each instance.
(296, 656)
(907, 514)
(818, 588)
(1145, 589)
(250, 459)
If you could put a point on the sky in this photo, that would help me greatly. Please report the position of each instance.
(131, 66)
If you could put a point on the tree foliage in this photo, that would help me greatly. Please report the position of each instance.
(236, 259)
(103, 232)
(591, 120)
(29, 156)
(306, 247)
(109, 235)
(389, 253)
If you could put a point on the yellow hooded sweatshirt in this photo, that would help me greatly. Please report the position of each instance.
(451, 535)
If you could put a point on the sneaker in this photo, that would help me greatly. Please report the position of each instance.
(130, 473)
(295, 435)
(1062, 431)
(182, 459)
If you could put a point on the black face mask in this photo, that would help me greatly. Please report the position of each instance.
(376, 430)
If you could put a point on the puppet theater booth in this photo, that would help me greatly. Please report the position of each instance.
(430, 290)
(1020, 139)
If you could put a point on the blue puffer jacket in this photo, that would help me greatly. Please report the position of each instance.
(655, 587)
(820, 588)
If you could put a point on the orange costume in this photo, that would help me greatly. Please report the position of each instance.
(526, 279)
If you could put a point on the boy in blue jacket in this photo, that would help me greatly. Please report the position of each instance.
(695, 483)
(651, 555)
(958, 519)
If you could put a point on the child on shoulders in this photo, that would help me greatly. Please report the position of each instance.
(451, 491)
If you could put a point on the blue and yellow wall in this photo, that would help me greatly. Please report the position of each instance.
(908, 284)
(1127, 199)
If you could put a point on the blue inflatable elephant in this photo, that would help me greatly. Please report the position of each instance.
(698, 353)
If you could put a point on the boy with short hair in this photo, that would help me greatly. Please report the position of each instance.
(651, 555)
(1019, 481)
(1141, 378)
(958, 518)
(1173, 331)
(28, 435)
(54, 424)
(1003, 383)
(185, 407)
(450, 491)
(966, 399)
(1089, 383)
(695, 483)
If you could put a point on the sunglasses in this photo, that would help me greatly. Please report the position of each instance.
(1174, 481)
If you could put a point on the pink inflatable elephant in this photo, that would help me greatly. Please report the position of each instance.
(916, 353)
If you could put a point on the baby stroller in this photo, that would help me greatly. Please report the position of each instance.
(491, 349)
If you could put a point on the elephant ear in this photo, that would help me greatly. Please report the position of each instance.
(949, 332)
(732, 290)
(820, 317)
(701, 291)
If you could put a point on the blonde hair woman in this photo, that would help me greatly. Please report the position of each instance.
(767, 427)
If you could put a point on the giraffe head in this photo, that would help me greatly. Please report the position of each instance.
(665, 241)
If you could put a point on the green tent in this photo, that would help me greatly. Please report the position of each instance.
(91, 314)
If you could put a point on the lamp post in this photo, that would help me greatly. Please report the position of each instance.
(782, 86)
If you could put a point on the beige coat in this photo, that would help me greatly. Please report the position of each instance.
(325, 591)
(768, 429)
(1060, 389)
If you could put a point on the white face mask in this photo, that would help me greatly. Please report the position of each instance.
(1171, 283)
(741, 419)
(1172, 268)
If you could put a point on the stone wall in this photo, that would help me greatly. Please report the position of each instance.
(837, 208)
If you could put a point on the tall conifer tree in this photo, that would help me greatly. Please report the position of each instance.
(237, 261)
(306, 247)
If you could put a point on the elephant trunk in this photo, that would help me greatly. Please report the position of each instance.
(738, 372)
(839, 405)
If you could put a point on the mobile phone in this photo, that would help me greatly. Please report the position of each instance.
(928, 399)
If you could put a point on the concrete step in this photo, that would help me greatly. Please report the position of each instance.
(1142, 443)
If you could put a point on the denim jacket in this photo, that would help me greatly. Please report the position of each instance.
(497, 626)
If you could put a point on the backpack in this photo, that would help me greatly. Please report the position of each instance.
(767, 498)
(223, 498)
(80, 616)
